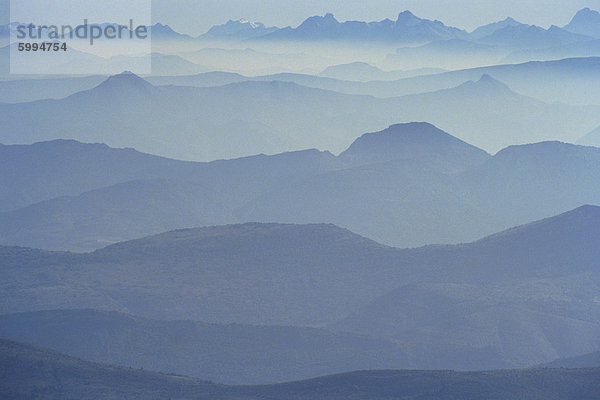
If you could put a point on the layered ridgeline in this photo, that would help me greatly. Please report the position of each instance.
(503, 41)
(31, 372)
(519, 298)
(232, 353)
(579, 38)
(408, 28)
(410, 42)
(585, 22)
(364, 72)
(409, 185)
(418, 41)
(579, 77)
(273, 116)
(132, 194)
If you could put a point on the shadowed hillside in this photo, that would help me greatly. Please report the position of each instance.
(34, 373)
(510, 300)
(233, 353)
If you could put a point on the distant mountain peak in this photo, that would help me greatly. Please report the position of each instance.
(360, 64)
(357, 65)
(326, 20)
(487, 82)
(407, 28)
(489, 29)
(161, 26)
(415, 124)
(406, 14)
(549, 148)
(585, 22)
(404, 133)
(488, 79)
(165, 32)
(413, 140)
(125, 79)
(242, 28)
(521, 36)
(126, 75)
(407, 18)
(253, 25)
(585, 12)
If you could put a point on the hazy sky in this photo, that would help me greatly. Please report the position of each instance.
(195, 17)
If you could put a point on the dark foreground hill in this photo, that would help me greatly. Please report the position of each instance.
(251, 273)
(516, 299)
(232, 353)
(31, 373)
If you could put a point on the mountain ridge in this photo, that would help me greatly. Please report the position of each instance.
(239, 29)
(585, 22)
(540, 280)
(232, 353)
(21, 372)
(417, 141)
(406, 28)
(467, 186)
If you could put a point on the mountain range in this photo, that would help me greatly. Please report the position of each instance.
(164, 33)
(585, 22)
(233, 353)
(33, 372)
(513, 299)
(449, 54)
(532, 37)
(505, 41)
(579, 77)
(364, 72)
(408, 28)
(588, 48)
(486, 30)
(533, 79)
(142, 113)
(336, 210)
(240, 29)
(384, 186)
(127, 111)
